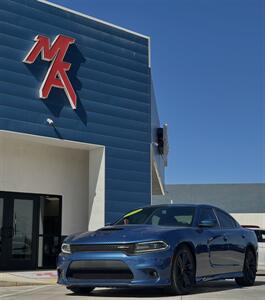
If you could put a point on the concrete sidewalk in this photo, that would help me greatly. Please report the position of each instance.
(28, 278)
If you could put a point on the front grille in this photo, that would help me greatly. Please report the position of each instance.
(125, 248)
(99, 269)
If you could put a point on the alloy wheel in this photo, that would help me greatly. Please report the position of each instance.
(183, 272)
(249, 270)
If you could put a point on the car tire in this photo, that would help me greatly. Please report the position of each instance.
(81, 290)
(249, 270)
(182, 272)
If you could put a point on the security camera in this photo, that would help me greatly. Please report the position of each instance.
(49, 121)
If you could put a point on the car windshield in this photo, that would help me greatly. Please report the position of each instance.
(163, 216)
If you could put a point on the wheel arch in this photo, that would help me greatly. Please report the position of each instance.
(252, 248)
(191, 247)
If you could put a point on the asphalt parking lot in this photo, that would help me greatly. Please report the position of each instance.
(212, 290)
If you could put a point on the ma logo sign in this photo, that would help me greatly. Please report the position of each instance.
(56, 75)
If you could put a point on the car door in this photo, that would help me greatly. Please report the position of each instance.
(236, 243)
(213, 239)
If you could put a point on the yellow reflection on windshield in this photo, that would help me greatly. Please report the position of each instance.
(133, 213)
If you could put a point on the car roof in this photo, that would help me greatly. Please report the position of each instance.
(182, 205)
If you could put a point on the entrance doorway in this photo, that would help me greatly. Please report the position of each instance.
(30, 230)
(19, 231)
(49, 231)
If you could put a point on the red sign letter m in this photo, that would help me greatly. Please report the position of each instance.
(56, 75)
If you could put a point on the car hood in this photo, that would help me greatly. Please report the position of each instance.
(123, 234)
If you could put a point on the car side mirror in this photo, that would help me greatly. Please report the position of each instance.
(207, 223)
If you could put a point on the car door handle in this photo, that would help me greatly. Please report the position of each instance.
(210, 239)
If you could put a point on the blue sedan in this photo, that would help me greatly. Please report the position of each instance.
(169, 246)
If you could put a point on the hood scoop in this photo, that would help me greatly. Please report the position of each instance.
(109, 229)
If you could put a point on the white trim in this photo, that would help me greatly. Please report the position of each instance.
(159, 178)
(154, 164)
(52, 141)
(149, 52)
(96, 189)
(92, 18)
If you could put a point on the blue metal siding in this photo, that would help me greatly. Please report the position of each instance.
(111, 77)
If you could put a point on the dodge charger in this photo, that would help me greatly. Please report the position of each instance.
(166, 246)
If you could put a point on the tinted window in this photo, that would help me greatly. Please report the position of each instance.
(260, 235)
(207, 214)
(163, 216)
(137, 216)
(225, 220)
(172, 216)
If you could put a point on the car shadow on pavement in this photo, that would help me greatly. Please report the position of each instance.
(207, 287)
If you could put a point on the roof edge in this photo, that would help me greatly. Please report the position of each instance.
(93, 18)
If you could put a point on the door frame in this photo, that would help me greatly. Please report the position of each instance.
(6, 261)
(43, 235)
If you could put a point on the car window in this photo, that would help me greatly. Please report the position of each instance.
(172, 216)
(163, 216)
(260, 235)
(225, 220)
(137, 216)
(207, 214)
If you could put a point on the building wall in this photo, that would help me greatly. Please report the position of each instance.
(111, 76)
(36, 167)
(246, 202)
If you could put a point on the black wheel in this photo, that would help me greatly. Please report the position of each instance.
(182, 272)
(249, 270)
(81, 290)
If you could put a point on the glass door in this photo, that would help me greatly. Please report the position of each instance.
(1, 224)
(19, 231)
(22, 229)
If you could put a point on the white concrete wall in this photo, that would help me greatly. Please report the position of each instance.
(250, 219)
(235, 198)
(246, 202)
(47, 166)
(96, 209)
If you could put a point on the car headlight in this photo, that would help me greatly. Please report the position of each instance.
(144, 247)
(66, 248)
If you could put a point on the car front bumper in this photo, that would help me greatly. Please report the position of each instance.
(114, 269)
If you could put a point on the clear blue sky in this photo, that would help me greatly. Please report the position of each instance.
(208, 69)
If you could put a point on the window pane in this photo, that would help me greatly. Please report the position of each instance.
(225, 220)
(22, 226)
(207, 214)
(138, 216)
(164, 216)
(172, 216)
(260, 235)
(1, 221)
